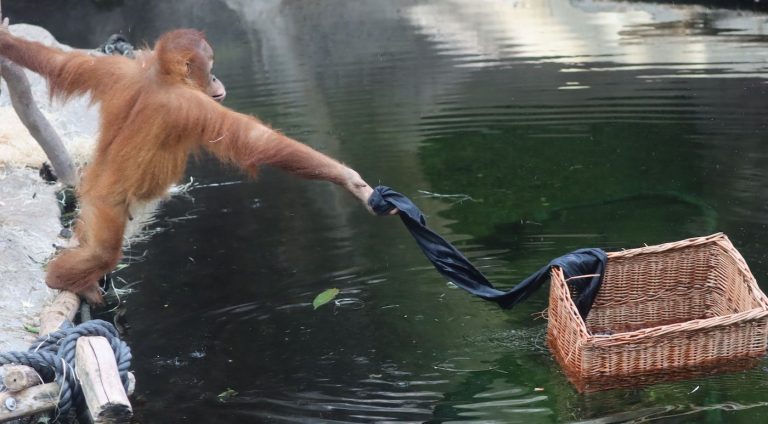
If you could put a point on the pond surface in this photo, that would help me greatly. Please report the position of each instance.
(524, 130)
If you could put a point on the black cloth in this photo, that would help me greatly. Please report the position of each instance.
(455, 267)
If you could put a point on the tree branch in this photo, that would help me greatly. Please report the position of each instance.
(36, 123)
(42, 130)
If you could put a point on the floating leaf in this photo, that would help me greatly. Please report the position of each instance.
(325, 297)
(32, 329)
(226, 395)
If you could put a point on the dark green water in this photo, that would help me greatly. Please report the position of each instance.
(562, 124)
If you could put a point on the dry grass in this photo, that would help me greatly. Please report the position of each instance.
(19, 149)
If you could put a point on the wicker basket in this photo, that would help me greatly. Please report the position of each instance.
(670, 311)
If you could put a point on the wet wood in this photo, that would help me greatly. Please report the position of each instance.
(63, 308)
(33, 400)
(103, 391)
(20, 377)
(30, 396)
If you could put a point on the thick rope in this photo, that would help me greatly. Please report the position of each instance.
(117, 45)
(53, 357)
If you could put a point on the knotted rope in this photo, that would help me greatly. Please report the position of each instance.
(117, 45)
(53, 357)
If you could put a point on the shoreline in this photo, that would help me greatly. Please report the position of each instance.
(29, 232)
(29, 210)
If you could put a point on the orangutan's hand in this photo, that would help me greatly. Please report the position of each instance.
(360, 189)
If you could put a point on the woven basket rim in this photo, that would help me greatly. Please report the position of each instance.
(685, 326)
(665, 247)
(720, 239)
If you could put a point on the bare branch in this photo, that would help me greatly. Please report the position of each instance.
(29, 114)
(42, 130)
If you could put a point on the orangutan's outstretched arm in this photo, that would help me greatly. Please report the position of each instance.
(68, 73)
(247, 143)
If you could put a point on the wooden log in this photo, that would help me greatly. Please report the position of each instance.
(37, 398)
(104, 394)
(63, 308)
(19, 377)
(33, 400)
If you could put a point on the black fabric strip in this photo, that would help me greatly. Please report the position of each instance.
(449, 262)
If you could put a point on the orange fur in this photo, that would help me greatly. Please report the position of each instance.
(154, 113)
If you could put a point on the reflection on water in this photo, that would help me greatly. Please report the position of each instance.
(591, 34)
(524, 129)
